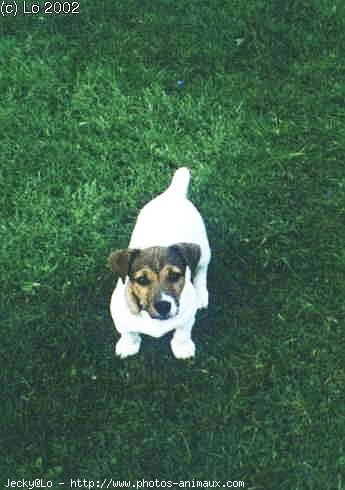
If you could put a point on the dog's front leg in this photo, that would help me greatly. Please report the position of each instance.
(128, 344)
(182, 344)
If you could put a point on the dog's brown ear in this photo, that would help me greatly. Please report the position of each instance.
(120, 261)
(190, 252)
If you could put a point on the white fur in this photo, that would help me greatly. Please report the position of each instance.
(172, 303)
(168, 219)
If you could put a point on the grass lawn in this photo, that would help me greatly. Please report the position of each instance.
(97, 110)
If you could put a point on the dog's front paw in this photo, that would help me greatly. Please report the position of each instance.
(126, 347)
(183, 350)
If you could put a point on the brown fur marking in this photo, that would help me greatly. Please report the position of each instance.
(159, 269)
(120, 261)
(156, 265)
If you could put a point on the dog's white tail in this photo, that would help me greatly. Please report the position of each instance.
(180, 182)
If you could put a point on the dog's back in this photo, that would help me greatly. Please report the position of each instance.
(171, 218)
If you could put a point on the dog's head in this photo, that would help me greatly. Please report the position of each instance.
(156, 276)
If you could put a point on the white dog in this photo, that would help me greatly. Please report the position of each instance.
(163, 272)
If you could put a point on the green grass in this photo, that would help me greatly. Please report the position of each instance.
(94, 119)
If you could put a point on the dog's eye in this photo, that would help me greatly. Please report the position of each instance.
(142, 281)
(174, 276)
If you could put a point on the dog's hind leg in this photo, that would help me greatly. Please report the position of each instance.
(200, 285)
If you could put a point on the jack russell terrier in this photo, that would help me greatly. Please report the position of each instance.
(163, 273)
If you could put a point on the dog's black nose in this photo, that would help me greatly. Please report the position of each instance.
(163, 307)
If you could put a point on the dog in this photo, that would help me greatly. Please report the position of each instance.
(163, 272)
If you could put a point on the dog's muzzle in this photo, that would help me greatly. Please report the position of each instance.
(165, 307)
